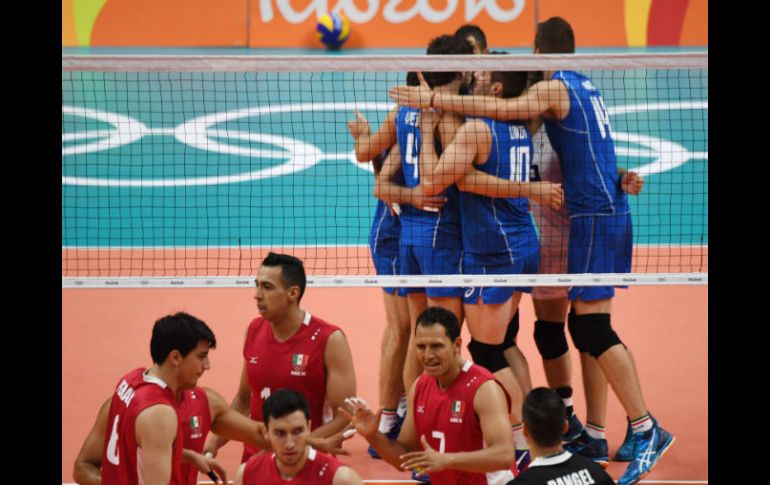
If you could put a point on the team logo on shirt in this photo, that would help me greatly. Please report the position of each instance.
(253, 359)
(323, 469)
(299, 363)
(457, 412)
(195, 428)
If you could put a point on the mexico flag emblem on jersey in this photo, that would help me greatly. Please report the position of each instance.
(195, 428)
(298, 363)
(457, 412)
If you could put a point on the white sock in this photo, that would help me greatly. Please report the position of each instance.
(595, 432)
(519, 442)
(642, 424)
(401, 410)
(388, 420)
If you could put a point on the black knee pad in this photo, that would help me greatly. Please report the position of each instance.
(596, 332)
(489, 356)
(511, 332)
(578, 334)
(550, 339)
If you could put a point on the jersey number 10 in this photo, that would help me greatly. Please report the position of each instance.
(521, 158)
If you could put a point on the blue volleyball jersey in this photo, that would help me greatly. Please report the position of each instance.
(497, 225)
(386, 231)
(583, 141)
(418, 227)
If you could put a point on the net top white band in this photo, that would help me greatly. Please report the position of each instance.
(410, 281)
(247, 63)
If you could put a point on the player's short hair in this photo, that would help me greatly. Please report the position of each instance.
(544, 415)
(284, 402)
(475, 32)
(534, 77)
(292, 270)
(445, 45)
(514, 82)
(180, 331)
(439, 316)
(412, 79)
(555, 36)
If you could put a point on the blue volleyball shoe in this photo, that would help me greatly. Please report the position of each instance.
(420, 478)
(523, 459)
(592, 448)
(626, 450)
(649, 448)
(574, 430)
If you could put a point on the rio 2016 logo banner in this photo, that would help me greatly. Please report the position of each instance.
(645, 154)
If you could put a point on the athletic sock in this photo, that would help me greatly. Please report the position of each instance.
(388, 419)
(519, 442)
(642, 424)
(595, 431)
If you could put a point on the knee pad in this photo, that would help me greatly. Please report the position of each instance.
(550, 339)
(577, 334)
(489, 356)
(596, 333)
(511, 332)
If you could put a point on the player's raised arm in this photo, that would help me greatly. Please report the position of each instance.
(544, 97)
(368, 145)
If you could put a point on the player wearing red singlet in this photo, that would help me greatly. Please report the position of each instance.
(452, 426)
(319, 469)
(287, 418)
(122, 457)
(195, 418)
(456, 428)
(297, 363)
(287, 347)
(144, 436)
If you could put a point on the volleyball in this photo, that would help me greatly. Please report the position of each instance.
(333, 29)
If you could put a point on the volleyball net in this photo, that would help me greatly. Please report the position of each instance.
(188, 170)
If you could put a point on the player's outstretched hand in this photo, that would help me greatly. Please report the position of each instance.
(632, 183)
(411, 96)
(361, 417)
(359, 126)
(426, 461)
(333, 444)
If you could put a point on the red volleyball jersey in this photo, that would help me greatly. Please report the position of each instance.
(195, 417)
(297, 363)
(122, 457)
(319, 469)
(449, 423)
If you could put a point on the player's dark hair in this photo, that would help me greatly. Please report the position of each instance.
(412, 79)
(284, 402)
(514, 82)
(439, 316)
(292, 270)
(543, 413)
(534, 77)
(555, 36)
(475, 32)
(181, 332)
(445, 45)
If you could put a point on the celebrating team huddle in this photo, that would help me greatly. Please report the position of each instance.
(475, 173)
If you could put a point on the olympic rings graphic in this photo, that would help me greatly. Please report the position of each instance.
(297, 155)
